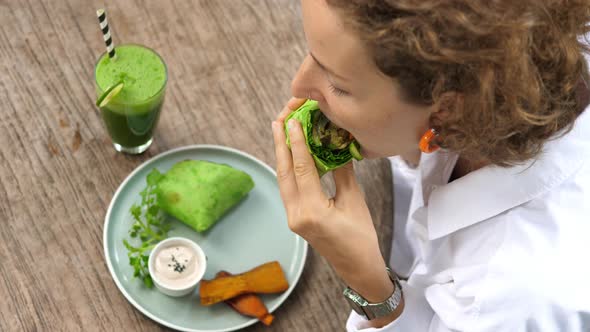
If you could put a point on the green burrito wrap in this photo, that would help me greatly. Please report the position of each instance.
(330, 146)
(199, 192)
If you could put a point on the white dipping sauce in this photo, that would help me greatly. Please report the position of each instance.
(176, 265)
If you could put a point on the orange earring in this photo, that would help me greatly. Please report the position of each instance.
(427, 144)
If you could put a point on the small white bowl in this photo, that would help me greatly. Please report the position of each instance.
(201, 261)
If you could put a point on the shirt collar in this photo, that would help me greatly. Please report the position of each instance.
(492, 190)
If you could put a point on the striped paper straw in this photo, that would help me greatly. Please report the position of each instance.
(106, 33)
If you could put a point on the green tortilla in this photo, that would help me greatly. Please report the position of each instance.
(199, 192)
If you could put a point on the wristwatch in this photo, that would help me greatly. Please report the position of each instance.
(375, 310)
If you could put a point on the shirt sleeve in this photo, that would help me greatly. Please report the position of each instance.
(417, 316)
(454, 305)
(476, 302)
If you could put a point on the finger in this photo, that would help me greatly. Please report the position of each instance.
(306, 174)
(346, 185)
(285, 175)
(292, 104)
(295, 103)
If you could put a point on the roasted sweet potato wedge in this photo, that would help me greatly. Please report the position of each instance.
(265, 279)
(248, 304)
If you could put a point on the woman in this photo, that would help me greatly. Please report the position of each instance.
(482, 104)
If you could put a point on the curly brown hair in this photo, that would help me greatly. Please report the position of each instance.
(514, 67)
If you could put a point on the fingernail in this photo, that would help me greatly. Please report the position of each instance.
(273, 126)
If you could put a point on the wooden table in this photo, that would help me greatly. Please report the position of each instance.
(230, 64)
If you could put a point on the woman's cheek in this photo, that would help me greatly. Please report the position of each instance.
(339, 112)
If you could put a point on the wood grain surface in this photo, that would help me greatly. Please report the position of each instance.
(230, 64)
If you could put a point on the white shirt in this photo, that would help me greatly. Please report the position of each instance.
(500, 249)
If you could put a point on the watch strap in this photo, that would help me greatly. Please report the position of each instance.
(375, 310)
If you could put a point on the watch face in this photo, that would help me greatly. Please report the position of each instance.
(355, 297)
(355, 300)
(359, 311)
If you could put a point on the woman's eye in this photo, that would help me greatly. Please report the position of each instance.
(336, 91)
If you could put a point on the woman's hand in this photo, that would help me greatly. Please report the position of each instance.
(338, 228)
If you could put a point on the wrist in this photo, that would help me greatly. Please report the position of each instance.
(378, 312)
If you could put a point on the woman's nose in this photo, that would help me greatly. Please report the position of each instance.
(304, 84)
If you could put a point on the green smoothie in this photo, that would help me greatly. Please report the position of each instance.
(131, 116)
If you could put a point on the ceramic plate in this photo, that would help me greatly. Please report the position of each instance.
(252, 233)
